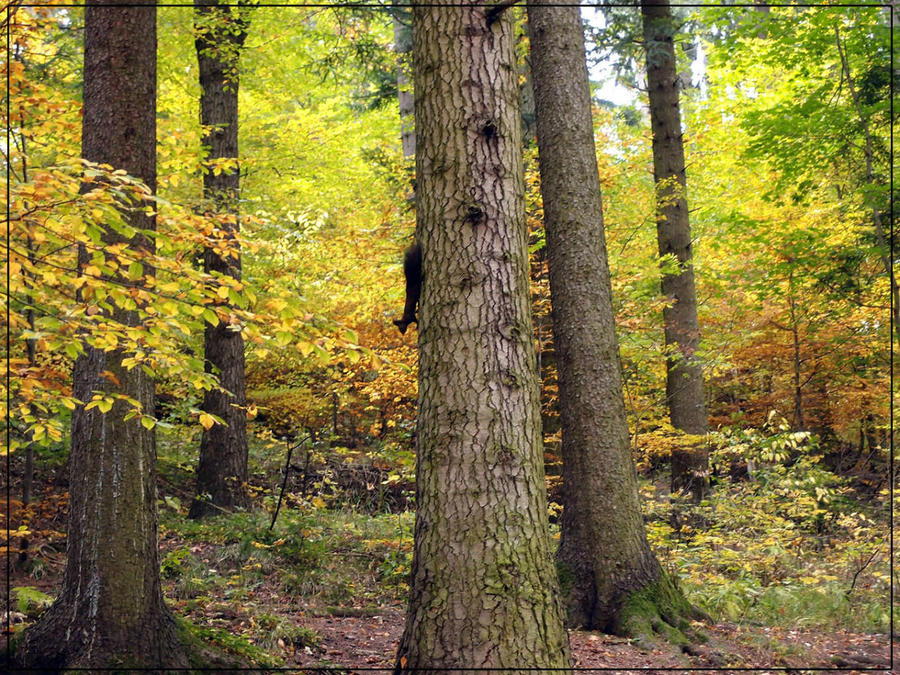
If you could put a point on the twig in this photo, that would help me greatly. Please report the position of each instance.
(859, 571)
(287, 470)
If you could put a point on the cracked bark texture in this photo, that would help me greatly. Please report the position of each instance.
(684, 374)
(222, 469)
(483, 586)
(603, 554)
(110, 610)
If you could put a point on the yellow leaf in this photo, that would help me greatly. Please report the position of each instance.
(206, 421)
(277, 304)
(318, 502)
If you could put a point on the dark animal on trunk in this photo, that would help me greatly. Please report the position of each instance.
(412, 269)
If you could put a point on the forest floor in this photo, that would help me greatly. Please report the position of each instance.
(345, 606)
(372, 642)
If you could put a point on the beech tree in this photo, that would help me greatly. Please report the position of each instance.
(222, 471)
(613, 581)
(483, 586)
(403, 48)
(110, 610)
(684, 374)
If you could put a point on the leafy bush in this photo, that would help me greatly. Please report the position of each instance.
(783, 544)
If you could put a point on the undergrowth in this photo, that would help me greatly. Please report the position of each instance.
(787, 544)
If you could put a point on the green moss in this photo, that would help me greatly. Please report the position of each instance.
(566, 578)
(220, 649)
(659, 610)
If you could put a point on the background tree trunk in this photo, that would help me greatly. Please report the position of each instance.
(684, 375)
(402, 19)
(603, 555)
(110, 611)
(222, 471)
(483, 589)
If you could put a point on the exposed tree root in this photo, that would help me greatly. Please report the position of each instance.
(659, 611)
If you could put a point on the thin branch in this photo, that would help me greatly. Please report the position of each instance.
(860, 570)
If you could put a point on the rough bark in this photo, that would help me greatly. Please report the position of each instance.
(603, 556)
(684, 375)
(483, 587)
(110, 610)
(222, 470)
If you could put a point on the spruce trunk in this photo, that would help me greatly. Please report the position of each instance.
(483, 586)
(684, 375)
(603, 556)
(222, 471)
(110, 611)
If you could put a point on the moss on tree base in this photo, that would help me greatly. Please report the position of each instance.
(659, 610)
(216, 648)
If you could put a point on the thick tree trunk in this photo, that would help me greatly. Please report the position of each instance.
(684, 375)
(604, 556)
(110, 611)
(222, 471)
(483, 587)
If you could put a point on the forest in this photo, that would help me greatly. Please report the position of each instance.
(452, 337)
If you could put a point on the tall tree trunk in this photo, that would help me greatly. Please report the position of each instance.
(110, 610)
(483, 588)
(684, 376)
(403, 49)
(30, 343)
(222, 471)
(798, 362)
(604, 557)
(28, 278)
(526, 94)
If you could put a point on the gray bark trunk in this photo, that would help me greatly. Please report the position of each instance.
(403, 49)
(110, 611)
(603, 555)
(684, 375)
(483, 587)
(222, 470)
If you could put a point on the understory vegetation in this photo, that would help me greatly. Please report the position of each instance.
(787, 544)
